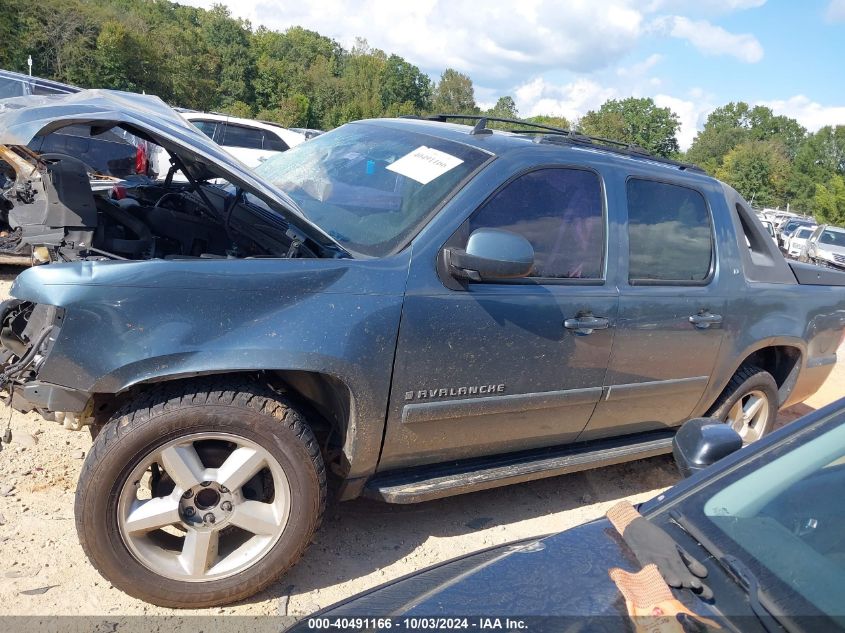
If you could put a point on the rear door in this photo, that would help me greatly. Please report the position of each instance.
(495, 367)
(669, 327)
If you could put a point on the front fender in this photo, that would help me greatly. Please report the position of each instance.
(149, 321)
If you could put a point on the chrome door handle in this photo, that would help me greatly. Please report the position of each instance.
(583, 325)
(704, 320)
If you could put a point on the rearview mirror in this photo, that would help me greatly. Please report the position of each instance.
(492, 254)
(701, 442)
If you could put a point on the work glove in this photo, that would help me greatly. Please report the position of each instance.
(653, 608)
(652, 545)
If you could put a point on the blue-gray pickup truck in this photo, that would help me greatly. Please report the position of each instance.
(418, 307)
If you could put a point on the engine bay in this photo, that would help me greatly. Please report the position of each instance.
(57, 211)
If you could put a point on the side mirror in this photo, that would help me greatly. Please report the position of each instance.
(491, 254)
(701, 442)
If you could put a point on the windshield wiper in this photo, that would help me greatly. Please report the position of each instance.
(740, 572)
(748, 581)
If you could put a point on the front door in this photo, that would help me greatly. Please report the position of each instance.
(669, 327)
(488, 368)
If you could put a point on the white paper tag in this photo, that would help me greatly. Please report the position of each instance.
(424, 164)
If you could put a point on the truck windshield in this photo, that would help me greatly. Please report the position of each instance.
(832, 238)
(372, 187)
(779, 520)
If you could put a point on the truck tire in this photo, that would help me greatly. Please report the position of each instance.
(200, 493)
(749, 403)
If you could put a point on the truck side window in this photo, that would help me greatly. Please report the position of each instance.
(669, 233)
(560, 212)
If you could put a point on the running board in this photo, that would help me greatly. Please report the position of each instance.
(454, 478)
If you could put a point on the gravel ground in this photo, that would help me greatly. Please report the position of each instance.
(361, 544)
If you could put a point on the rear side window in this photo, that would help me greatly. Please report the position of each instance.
(560, 212)
(240, 136)
(274, 143)
(11, 88)
(206, 127)
(669, 233)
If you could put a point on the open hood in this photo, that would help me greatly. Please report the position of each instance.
(148, 117)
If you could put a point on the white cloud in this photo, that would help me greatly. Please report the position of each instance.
(710, 39)
(493, 41)
(571, 100)
(575, 98)
(639, 69)
(811, 114)
(835, 11)
(710, 7)
(691, 112)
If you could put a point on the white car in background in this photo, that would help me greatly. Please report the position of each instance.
(795, 242)
(770, 229)
(252, 142)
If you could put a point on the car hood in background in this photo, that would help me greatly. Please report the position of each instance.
(146, 116)
(831, 248)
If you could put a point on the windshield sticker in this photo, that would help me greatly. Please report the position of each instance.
(424, 164)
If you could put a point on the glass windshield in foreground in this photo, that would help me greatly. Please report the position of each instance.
(785, 519)
(369, 186)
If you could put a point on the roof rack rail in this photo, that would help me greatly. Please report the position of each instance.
(562, 136)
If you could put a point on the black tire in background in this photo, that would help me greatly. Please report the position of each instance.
(167, 413)
(749, 386)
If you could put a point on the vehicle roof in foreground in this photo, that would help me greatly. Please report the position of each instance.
(146, 116)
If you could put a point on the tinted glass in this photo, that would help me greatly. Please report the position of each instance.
(273, 143)
(802, 234)
(206, 127)
(560, 212)
(39, 88)
(833, 238)
(669, 233)
(240, 136)
(351, 183)
(10, 88)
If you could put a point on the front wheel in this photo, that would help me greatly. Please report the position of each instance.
(749, 403)
(198, 494)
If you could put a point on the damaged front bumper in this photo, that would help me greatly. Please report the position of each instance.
(28, 332)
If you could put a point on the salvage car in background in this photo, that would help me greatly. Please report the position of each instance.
(788, 229)
(760, 523)
(107, 152)
(795, 242)
(419, 307)
(250, 141)
(825, 247)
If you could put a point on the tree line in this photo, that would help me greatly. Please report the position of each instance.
(208, 60)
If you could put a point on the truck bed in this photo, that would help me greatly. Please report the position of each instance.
(810, 275)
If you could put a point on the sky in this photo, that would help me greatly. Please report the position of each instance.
(565, 57)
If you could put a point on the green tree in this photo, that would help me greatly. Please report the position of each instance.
(117, 57)
(228, 41)
(830, 201)
(454, 94)
(635, 121)
(737, 122)
(553, 121)
(759, 171)
(505, 108)
(403, 82)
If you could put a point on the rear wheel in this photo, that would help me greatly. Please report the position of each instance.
(749, 403)
(198, 494)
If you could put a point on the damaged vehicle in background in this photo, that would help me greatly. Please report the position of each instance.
(418, 307)
(106, 152)
(49, 203)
